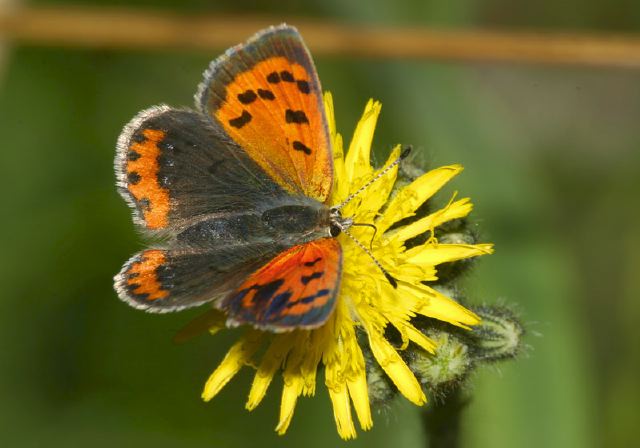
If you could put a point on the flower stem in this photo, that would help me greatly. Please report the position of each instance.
(441, 421)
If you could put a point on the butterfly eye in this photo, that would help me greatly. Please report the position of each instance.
(334, 230)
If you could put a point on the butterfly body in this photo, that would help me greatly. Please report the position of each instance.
(238, 192)
(286, 221)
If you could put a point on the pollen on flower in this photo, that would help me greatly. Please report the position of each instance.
(368, 303)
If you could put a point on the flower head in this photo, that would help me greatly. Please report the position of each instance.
(368, 302)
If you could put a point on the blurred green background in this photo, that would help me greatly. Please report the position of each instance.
(552, 163)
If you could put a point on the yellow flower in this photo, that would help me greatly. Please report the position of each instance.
(367, 301)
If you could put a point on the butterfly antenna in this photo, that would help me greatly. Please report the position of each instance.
(403, 155)
(388, 276)
(363, 224)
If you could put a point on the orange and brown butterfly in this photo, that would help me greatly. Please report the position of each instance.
(238, 192)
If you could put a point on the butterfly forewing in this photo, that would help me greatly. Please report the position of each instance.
(267, 97)
(174, 166)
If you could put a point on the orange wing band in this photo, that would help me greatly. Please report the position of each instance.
(142, 279)
(271, 111)
(142, 179)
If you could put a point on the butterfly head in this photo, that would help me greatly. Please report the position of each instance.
(338, 224)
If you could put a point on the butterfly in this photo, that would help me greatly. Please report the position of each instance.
(237, 192)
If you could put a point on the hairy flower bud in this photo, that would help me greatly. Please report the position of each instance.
(499, 335)
(447, 367)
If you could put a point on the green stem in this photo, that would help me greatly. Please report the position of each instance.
(441, 421)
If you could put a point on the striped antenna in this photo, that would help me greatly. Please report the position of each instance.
(403, 155)
(388, 276)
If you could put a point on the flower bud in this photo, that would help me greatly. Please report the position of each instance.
(447, 367)
(498, 336)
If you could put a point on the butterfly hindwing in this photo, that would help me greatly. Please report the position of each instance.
(164, 280)
(175, 166)
(267, 97)
(296, 289)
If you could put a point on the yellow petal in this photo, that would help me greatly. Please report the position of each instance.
(330, 114)
(412, 273)
(417, 337)
(340, 188)
(359, 392)
(415, 194)
(239, 355)
(309, 368)
(437, 305)
(352, 362)
(434, 254)
(376, 195)
(454, 210)
(357, 162)
(342, 412)
(395, 367)
(271, 362)
(290, 393)
(294, 377)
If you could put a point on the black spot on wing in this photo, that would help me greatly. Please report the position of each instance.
(166, 275)
(133, 178)
(138, 136)
(242, 120)
(299, 146)
(262, 292)
(273, 78)
(266, 94)
(266, 291)
(287, 76)
(278, 303)
(247, 97)
(131, 289)
(303, 86)
(312, 263)
(305, 279)
(310, 298)
(132, 156)
(295, 116)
